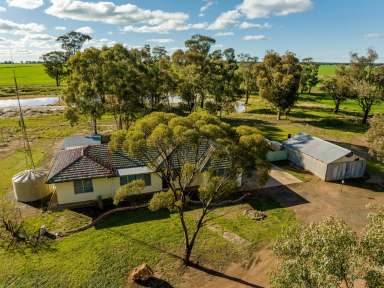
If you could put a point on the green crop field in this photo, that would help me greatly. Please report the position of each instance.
(327, 70)
(27, 74)
(31, 78)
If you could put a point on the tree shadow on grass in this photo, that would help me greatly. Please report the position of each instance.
(130, 217)
(223, 275)
(265, 127)
(338, 124)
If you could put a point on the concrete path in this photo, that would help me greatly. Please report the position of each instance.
(278, 177)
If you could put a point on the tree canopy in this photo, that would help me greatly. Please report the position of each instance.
(376, 136)
(72, 42)
(183, 149)
(330, 254)
(278, 79)
(85, 91)
(54, 63)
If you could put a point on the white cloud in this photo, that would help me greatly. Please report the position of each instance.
(248, 25)
(264, 8)
(29, 47)
(85, 30)
(252, 9)
(26, 4)
(161, 40)
(224, 34)
(205, 7)
(3, 9)
(128, 16)
(164, 28)
(225, 20)
(255, 37)
(7, 26)
(374, 35)
(60, 28)
(39, 37)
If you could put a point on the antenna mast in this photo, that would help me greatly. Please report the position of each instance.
(27, 147)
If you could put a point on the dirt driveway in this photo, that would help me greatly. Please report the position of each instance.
(314, 200)
(311, 201)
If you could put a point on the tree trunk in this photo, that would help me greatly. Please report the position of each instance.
(57, 79)
(187, 255)
(365, 117)
(187, 247)
(94, 125)
(246, 98)
(202, 101)
(310, 90)
(337, 107)
(278, 115)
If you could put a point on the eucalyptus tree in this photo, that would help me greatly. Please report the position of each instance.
(72, 42)
(182, 150)
(85, 91)
(376, 136)
(322, 255)
(224, 87)
(373, 249)
(187, 79)
(339, 87)
(278, 79)
(309, 75)
(367, 81)
(247, 71)
(124, 81)
(197, 55)
(160, 81)
(54, 64)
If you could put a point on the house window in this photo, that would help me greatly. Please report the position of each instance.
(222, 172)
(129, 178)
(83, 186)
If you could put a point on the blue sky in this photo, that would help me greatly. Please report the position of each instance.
(327, 30)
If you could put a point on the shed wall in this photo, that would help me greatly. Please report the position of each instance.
(346, 170)
(308, 163)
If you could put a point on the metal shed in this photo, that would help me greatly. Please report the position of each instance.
(326, 160)
(80, 141)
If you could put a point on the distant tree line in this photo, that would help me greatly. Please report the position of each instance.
(129, 81)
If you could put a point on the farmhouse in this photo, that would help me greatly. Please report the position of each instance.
(83, 175)
(326, 160)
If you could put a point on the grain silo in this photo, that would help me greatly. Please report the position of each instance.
(29, 185)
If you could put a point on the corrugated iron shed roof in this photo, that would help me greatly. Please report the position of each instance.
(81, 141)
(317, 148)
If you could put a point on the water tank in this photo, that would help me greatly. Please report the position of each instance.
(29, 185)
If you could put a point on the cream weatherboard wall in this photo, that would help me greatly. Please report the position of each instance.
(102, 187)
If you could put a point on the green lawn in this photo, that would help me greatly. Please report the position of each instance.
(103, 256)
